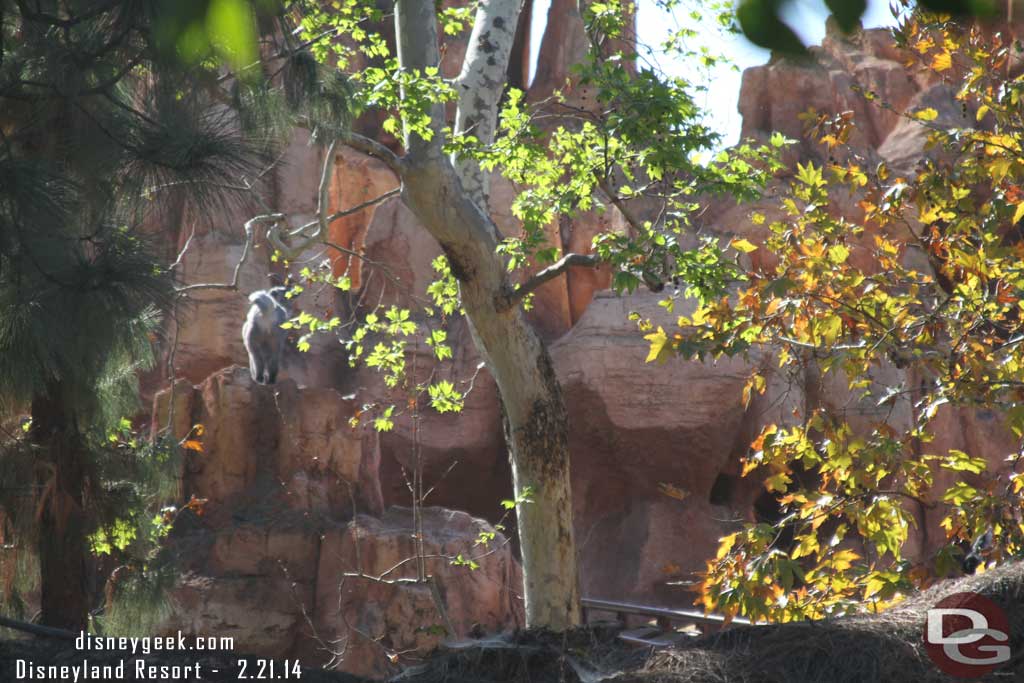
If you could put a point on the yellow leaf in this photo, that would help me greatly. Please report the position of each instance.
(928, 114)
(777, 482)
(725, 545)
(808, 546)
(982, 110)
(999, 168)
(659, 344)
(1019, 213)
(844, 559)
(742, 245)
(942, 61)
(874, 585)
(929, 215)
(838, 254)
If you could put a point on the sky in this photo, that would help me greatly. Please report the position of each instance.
(807, 17)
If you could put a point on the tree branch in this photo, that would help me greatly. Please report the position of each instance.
(246, 247)
(627, 212)
(372, 148)
(480, 86)
(511, 298)
(330, 160)
(416, 36)
(321, 235)
(368, 203)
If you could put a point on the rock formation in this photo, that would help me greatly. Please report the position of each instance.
(294, 554)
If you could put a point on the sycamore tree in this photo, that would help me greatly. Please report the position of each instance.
(921, 276)
(635, 151)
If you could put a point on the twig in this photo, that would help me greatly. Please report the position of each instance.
(233, 285)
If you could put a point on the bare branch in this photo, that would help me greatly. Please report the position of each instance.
(510, 299)
(37, 630)
(184, 250)
(246, 248)
(321, 223)
(347, 212)
(330, 161)
(368, 203)
(321, 235)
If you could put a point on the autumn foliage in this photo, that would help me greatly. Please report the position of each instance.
(922, 279)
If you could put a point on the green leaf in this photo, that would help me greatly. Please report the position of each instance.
(838, 254)
(231, 28)
(847, 13)
(760, 22)
(959, 461)
(444, 398)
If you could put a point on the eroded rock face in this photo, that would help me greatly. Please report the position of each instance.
(638, 430)
(208, 335)
(279, 442)
(292, 504)
(375, 620)
(774, 97)
(288, 585)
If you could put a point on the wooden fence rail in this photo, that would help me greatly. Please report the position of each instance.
(664, 633)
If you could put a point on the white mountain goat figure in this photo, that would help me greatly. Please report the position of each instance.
(263, 335)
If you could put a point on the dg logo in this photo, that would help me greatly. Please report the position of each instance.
(967, 635)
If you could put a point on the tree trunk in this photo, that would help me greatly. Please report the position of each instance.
(62, 542)
(535, 417)
(449, 198)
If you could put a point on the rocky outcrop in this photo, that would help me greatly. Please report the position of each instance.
(279, 443)
(294, 554)
(367, 603)
(774, 97)
(342, 593)
(637, 431)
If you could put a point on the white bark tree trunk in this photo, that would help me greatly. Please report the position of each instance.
(449, 198)
(481, 83)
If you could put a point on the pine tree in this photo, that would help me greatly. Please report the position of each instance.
(99, 106)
